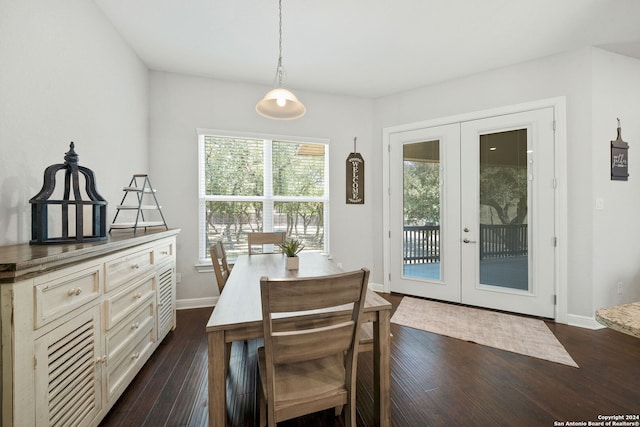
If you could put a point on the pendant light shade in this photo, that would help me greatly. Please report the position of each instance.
(280, 103)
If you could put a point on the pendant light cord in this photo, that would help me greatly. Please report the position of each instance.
(280, 68)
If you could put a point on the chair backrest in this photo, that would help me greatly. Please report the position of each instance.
(220, 265)
(335, 333)
(265, 238)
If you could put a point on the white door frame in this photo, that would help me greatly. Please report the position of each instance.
(559, 110)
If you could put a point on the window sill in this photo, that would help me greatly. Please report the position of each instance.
(206, 267)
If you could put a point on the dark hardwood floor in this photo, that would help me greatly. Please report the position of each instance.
(435, 381)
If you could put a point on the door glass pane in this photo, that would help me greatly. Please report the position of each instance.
(421, 210)
(503, 210)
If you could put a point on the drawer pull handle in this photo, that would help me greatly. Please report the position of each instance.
(135, 266)
(76, 291)
(137, 295)
(135, 325)
(102, 359)
(164, 253)
(135, 355)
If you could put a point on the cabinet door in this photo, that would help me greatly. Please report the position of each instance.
(67, 372)
(166, 299)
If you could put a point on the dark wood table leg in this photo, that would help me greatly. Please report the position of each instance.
(382, 369)
(217, 379)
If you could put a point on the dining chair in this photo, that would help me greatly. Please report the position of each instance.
(220, 265)
(311, 368)
(265, 238)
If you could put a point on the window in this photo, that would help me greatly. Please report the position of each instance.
(260, 183)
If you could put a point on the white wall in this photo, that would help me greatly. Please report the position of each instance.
(616, 248)
(65, 75)
(179, 104)
(567, 75)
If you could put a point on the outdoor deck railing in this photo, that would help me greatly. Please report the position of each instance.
(422, 243)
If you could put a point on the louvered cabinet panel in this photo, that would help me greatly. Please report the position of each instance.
(166, 300)
(68, 372)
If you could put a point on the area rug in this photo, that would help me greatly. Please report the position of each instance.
(517, 334)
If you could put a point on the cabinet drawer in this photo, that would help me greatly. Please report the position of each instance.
(126, 301)
(122, 369)
(122, 335)
(163, 251)
(122, 270)
(63, 293)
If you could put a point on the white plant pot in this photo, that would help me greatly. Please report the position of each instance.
(293, 263)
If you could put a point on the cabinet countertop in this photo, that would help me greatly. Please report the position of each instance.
(623, 318)
(25, 261)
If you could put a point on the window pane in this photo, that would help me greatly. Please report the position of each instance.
(421, 180)
(303, 221)
(298, 169)
(504, 248)
(242, 178)
(230, 222)
(233, 166)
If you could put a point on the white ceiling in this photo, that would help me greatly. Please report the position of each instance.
(366, 48)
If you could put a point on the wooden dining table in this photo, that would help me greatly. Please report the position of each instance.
(237, 316)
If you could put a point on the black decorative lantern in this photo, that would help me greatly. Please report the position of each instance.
(70, 206)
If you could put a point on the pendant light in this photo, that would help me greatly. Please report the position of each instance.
(280, 103)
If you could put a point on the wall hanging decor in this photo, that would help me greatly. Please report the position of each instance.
(619, 158)
(58, 215)
(355, 177)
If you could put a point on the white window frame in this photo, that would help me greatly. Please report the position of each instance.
(267, 198)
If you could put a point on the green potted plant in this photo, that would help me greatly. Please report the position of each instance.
(291, 248)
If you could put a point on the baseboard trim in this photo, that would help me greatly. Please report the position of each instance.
(185, 304)
(583, 322)
(376, 287)
(572, 319)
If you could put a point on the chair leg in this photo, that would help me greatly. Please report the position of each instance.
(228, 351)
(262, 409)
(261, 402)
(350, 415)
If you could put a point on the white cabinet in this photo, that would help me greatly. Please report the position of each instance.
(77, 325)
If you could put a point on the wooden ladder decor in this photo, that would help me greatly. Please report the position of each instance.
(145, 200)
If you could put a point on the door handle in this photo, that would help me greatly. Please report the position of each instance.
(469, 241)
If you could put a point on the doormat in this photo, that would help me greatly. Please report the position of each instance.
(522, 335)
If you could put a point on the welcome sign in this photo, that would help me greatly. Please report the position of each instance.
(619, 158)
(355, 179)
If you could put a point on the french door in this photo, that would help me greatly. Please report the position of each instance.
(472, 212)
